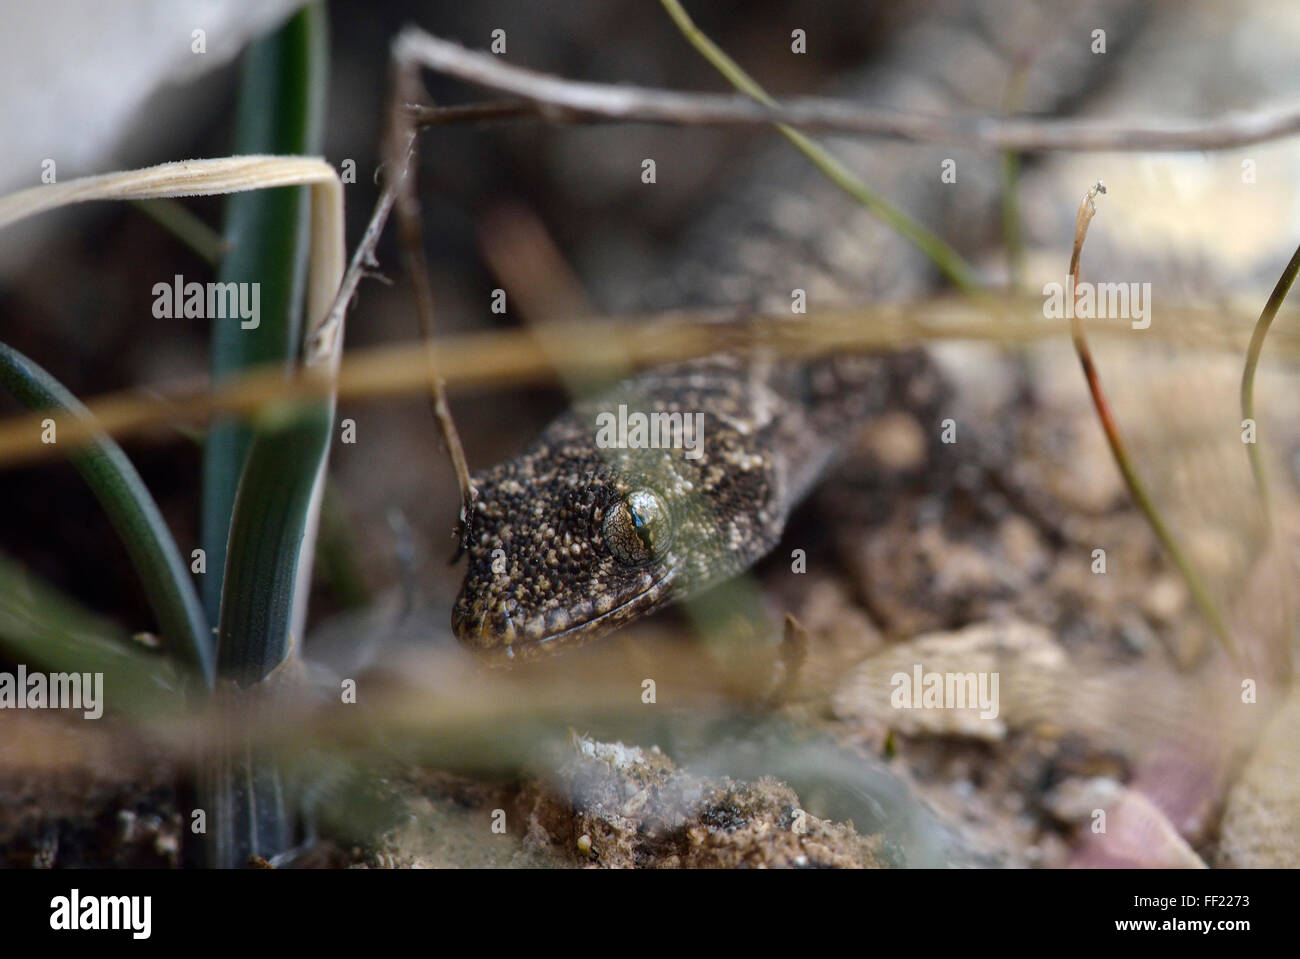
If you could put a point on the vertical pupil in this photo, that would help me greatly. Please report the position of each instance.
(642, 528)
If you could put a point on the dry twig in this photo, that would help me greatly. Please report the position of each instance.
(560, 100)
(516, 357)
(402, 152)
(1137, 489)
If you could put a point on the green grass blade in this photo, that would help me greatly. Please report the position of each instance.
(43, 629)
(262, 610)
(1253, 351)
(261, 481)
(176, 218)
(269, 555)
(132, 511)
(281, 110)
(940, 253)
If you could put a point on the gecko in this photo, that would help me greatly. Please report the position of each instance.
(570, 540)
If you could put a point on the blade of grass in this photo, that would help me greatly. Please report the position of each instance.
(271, 540)
(186, 227)
(280, 110)
(262, 481)
(940, 253)
(42, 628)
(1275, 301)
(208, 178)
(132, 511)
(1137, 489)
(231, 175)
(478, 361)
(263, 607)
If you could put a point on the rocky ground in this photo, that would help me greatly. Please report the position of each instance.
(1111, 697)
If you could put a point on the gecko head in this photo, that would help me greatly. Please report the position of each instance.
(563, 550)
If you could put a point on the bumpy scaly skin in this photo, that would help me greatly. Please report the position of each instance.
(543, 574)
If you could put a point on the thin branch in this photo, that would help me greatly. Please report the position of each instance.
(1137, 489)
(426, 116)
(1274, 304)
(397, 171)
(400, 172)
(572, 100)
(322, 340)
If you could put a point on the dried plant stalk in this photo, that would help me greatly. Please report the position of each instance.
(1137, 489)
(219, 176)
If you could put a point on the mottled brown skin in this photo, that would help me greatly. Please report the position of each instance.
(550, 569)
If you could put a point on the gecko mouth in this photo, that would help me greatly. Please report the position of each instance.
(494, 650)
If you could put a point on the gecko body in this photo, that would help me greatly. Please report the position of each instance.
(572, 539)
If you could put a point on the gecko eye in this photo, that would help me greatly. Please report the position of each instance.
(638, 528)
